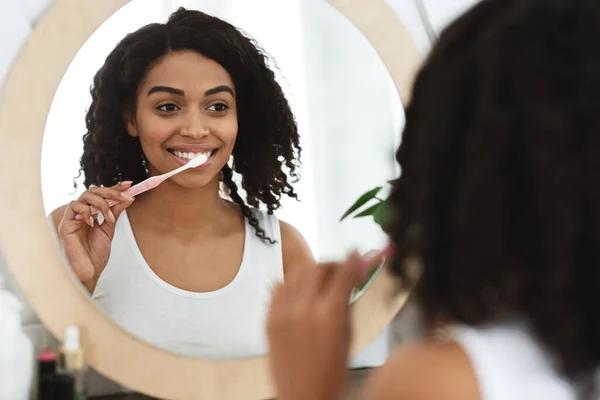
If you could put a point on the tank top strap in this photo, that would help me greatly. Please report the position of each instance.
(260, 249)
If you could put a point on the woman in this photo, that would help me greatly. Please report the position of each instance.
(499, 202)
(182, 266)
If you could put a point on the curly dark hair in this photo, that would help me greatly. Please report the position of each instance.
(499, 197)
(267, 143)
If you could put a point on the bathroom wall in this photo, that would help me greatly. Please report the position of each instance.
(16, 21)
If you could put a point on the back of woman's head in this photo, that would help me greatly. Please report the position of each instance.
(498, 195)
(266, 150)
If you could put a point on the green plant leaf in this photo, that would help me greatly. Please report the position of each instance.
(362, 200)
(381, 215)
(367, 212)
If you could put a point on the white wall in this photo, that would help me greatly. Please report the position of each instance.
(441, 12)
(17, 19)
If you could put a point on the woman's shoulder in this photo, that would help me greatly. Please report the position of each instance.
(427, 370)
(291, 237)
(295, 251)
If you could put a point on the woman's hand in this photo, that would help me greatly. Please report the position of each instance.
(309, 329)
(86, 242)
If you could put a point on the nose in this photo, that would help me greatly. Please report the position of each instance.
(194, 126)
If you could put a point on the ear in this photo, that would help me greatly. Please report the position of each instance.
(131, 126)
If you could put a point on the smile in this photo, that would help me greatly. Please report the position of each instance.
(183, 157)
(190, 155)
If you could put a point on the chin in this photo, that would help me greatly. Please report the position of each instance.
(194, 180)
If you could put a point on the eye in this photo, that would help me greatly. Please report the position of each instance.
(219, 107)
(169, 107)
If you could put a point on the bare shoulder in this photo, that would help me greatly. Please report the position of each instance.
(295, 250)
(425, 371)
(57, 215)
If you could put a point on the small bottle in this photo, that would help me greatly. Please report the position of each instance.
(72, 362)
(46, 375)
(64, 387)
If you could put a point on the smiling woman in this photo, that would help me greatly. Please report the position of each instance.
(169, 264)
(188, 266)
(179, 116)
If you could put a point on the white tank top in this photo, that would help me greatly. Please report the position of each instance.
(510, 364)
(226, 323)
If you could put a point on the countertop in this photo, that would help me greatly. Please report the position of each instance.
(356, 380)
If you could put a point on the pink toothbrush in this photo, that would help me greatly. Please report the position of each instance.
(154, 181)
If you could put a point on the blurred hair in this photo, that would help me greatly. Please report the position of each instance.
(499, 195)
(267, 142)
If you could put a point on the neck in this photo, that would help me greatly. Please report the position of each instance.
(172, 206)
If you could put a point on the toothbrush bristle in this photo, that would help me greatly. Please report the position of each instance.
(197, 161)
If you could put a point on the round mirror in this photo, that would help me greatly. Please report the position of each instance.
(188, 265)
(333, 174)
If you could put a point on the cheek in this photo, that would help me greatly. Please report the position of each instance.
(153, 130)
(227, 132)
(233, 131)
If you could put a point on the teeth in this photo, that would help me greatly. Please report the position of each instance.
(189, 156)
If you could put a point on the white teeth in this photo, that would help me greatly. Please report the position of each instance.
(189, 156)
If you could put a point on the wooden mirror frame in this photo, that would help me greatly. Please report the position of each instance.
(34, 259)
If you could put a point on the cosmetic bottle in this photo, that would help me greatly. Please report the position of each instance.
(46, 375)
(72, 362)
(52, 385)
(16, 350)
(64, 387)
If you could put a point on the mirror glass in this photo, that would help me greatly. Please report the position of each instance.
(183, 267)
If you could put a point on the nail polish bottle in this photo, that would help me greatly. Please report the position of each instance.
(72, 362)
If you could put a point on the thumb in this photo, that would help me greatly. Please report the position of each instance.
(107, 226)
(356, 265)
(124, 188)
(363, 266)
(119, 207)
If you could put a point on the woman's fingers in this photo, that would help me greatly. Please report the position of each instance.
(334, 279)
(343, 278)
(364, 265)
(312, 282)
(327, 286)
(79, 211)
(118, 208)
(117, 192)
(100, 197)
(123, 186)
(95, 198)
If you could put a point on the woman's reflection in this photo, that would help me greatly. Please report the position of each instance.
(188, 266)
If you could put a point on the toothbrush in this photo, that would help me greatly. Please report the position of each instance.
(377, 256)
(154, 181)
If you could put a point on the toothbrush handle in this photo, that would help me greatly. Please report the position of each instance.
(376, 256)
(133, 191)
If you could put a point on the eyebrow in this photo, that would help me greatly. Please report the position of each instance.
(219, 89)
(179, 92)
(166, 89)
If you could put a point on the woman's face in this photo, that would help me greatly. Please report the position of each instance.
(185, 106)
